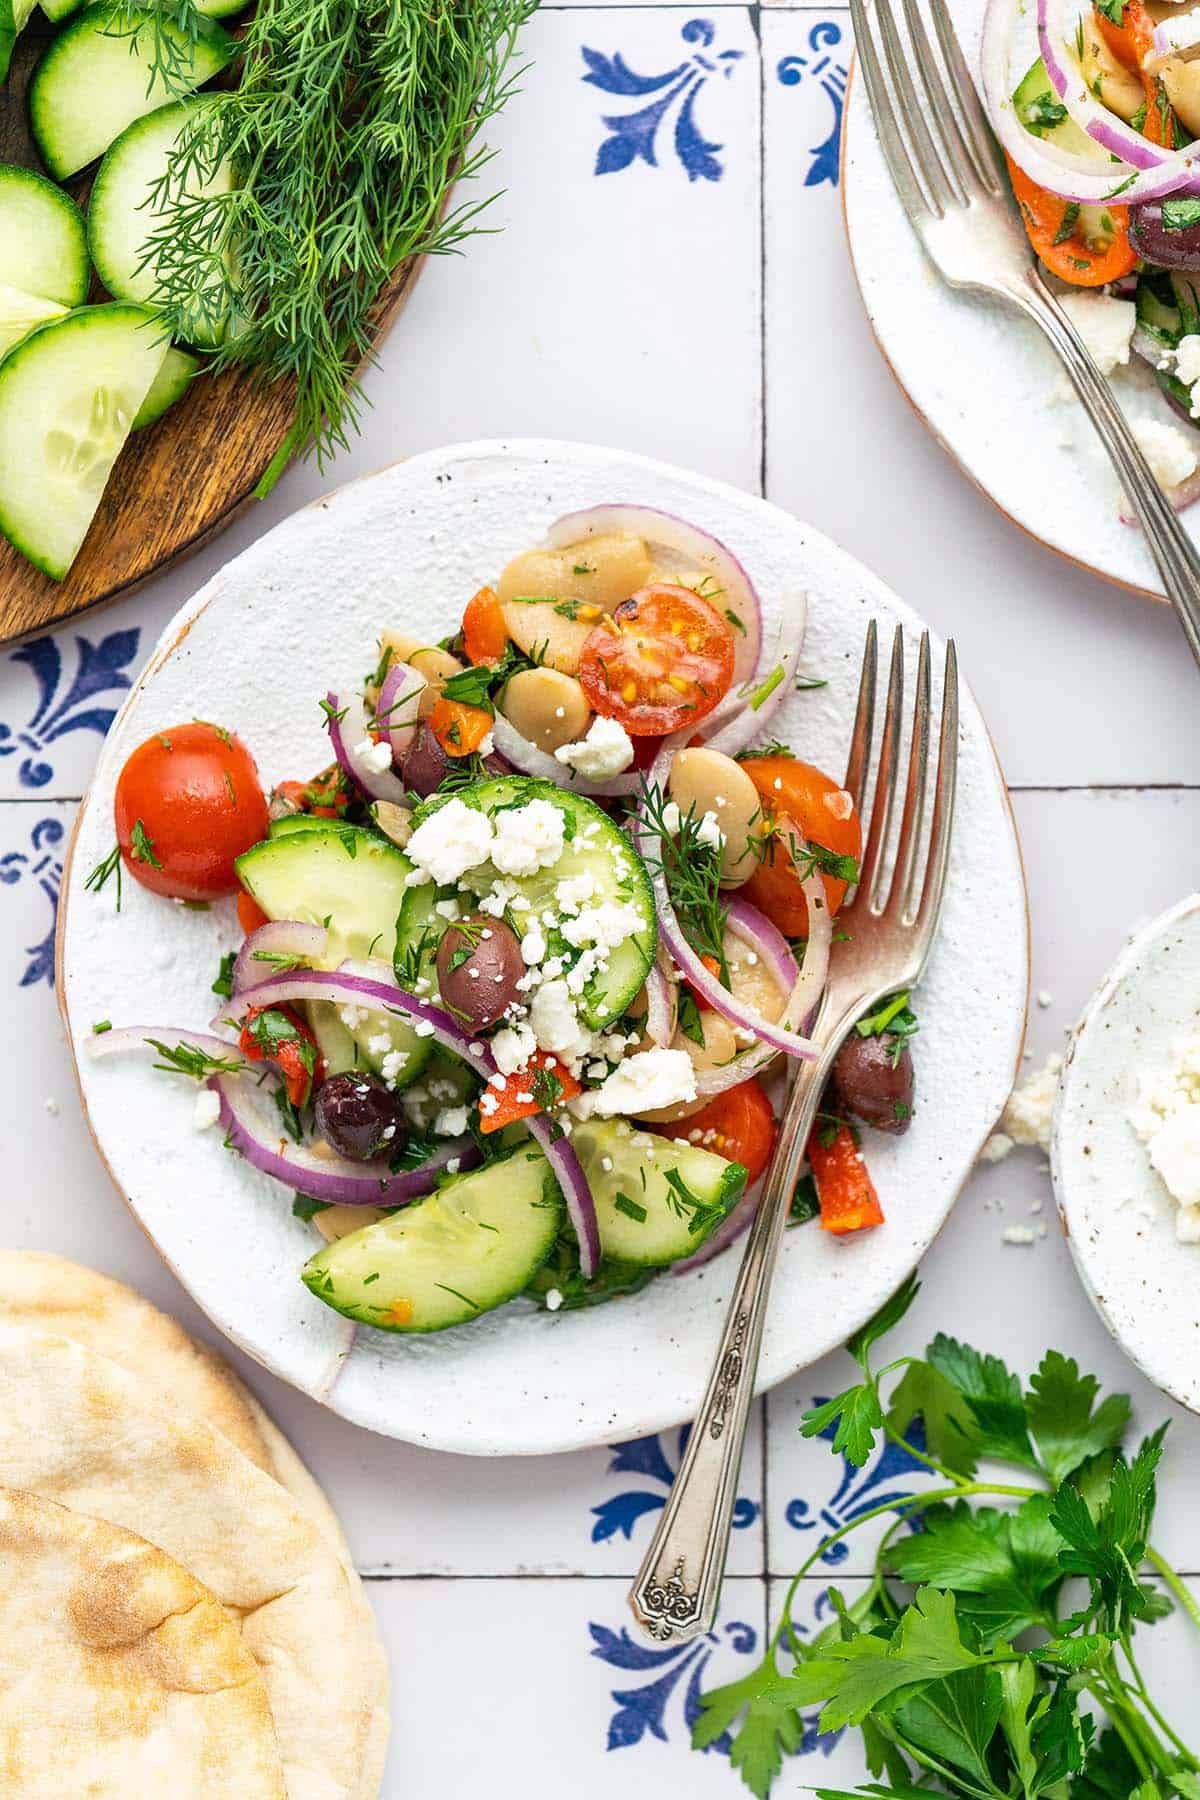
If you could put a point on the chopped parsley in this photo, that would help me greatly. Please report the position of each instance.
(141, 846)
(111, 865)
(223, 984)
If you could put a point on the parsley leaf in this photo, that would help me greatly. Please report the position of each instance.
(854, 1677)
(1003, 1567)
(1180, 215)
(950, 1434)
(859, 1416)
(768, 1733)
(1064, 1427)
(223, 984)
(993, 1396)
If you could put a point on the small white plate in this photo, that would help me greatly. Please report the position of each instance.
(1118, 1216)
(982, 378)
(298, 612)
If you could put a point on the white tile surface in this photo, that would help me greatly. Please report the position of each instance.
(628, 307)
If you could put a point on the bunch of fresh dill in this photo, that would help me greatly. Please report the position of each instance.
(349, 123)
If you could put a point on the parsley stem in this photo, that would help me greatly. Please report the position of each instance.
(1177, 1586)
(1144, 1696)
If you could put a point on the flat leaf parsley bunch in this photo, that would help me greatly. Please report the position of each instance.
(987, 1682)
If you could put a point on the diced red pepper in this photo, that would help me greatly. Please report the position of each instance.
(460, 729)
(250, 913)
(530, 1092)
(485, 634)
(288, 1042)
(844, 1186)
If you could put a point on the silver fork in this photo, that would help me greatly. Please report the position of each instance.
(892, 921)
(953, 185)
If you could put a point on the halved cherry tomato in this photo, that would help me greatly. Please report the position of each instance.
(326, 796)
(844, 1186)
(279, 1035)
(661, 660)
(188, 802)
(1132, 39)
(1051, 228)
(483, 630)
(250, 913)
(519, 1096)
(739, 1125)
(459, 728)
(823, 813)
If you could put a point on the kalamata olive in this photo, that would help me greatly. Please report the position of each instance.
(425, 764)
(872, 1084)
(479, 964)
(359, 1116)
(1158, 243)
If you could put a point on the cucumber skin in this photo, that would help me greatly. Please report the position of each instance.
(626, 1242)
(333, 830)
(316, 1267)
(52, 195)
(171, 384)
(88, 21)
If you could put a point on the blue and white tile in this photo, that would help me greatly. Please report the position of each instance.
(1050, 651)
(1015, 1300)
(59, 693)
(540, 1682)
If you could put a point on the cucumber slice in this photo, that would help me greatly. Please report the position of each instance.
(596, 847)
(659, 1198)
(364, 1049)
(168, 386)
(442, 1261)
(296, 822)
(122, 217)
(57, 10)
(14, 15)
(90, 83)
(1041, 112)
(69, 393)
(338, 873)
(43, 240)
(19, 313)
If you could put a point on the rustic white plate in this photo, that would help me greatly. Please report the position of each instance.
(982, 379)
(1118, 1216)
(299, 611)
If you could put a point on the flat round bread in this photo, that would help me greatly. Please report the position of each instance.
(121, 1674)
(76, 1426)
(52, 1294)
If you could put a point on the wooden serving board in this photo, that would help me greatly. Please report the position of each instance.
(177, 483)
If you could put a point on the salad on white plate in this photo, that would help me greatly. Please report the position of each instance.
(522, 963)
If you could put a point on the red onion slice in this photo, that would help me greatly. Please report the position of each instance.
(745, 720)
(692, 549)
(348, 732)
(349, 986)
(766, 940)
(660, 1007)
(137, 1037)
(283, 939)
(397, 707)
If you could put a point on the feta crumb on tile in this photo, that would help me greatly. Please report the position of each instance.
(606, 750)
(1018, 1234)
(1026, 1118)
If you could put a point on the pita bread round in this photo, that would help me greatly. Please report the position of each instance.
(76, 1427)
(52, 1294)
(121, 1675)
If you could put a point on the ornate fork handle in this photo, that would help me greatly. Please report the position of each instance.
(676, 1591)
(1170, 545)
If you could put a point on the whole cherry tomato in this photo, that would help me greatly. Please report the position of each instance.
(663, 659)
(738, 1125)
(188, 801)
(824, 815)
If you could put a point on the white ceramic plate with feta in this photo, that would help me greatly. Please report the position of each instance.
(1131, 1060)
(254, 649)
(984, 380)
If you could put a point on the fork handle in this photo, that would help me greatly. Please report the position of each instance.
(1171, 547)
(676, 1591)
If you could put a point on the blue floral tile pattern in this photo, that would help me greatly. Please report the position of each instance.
(885, 1481)
(40, 863)
(64, 704)
(646, 1458)
(633, 136)
(642, 1707)
(830, 73)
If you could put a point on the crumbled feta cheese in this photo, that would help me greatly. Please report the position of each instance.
(451, 1121)
(998, 1146)
(423, 1028)
(454, 1165)
(1170, 455)
(379, 1044)
(488, 1104)
(554, 1299)
(352, 1016)
(393, 1063)
(533, 946)
(486, 745)
(608, 925)
(606, 750)
(642, 1083)
(512, 1047)
(207, 1109)
(1026, 1118)
(555, 1022)
(527, 839)
(451, 840)
(1167, 1120)
(708, 831)
(1044, 998)
(1018, 1234)
(1187, 351)
(374, 756)
(1105, 325)
(448, 909)
(574, 892)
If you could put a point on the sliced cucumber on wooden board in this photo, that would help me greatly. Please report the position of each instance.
(43, 240)
(14, 15)
(69, 394)
(20, 312)
(168, 386)
(122, 219)
(91, 83)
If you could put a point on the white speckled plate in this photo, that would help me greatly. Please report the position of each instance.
(1118, 1215)
(982, 378)
(299, 611)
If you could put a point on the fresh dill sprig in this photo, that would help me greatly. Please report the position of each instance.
(189, 1059)
(344, 135)
(691, 868)
(164, 35)
(109, 865)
